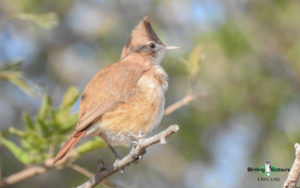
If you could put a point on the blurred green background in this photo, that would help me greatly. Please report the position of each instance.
(248, 56)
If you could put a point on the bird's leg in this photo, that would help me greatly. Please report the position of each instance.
(135, 140)
(117, 156)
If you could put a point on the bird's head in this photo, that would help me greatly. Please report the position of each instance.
(144, 40)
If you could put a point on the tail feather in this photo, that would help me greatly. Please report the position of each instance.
(68, 145)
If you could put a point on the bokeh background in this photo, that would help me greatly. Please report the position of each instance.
(249, 69)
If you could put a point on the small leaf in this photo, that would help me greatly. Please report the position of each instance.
(22, 85)
(41, 123)
(42, 115)
(90, 146)
(16, 151)
(46, 20)
(16, 132)
(28, 121)
(10, 74)
(194, 60)
(11, 66)
(70, 97)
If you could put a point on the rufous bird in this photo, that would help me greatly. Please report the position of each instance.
(126, 97)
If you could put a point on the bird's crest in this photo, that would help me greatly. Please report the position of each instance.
(140, 35)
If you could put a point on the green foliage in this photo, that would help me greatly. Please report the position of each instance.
(90, 146)
(12, 74)
(46, 20)
(46, 130)
(233, 39)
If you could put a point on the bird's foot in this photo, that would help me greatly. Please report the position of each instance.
(136, 139)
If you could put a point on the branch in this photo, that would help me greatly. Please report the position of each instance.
(81, 170)
(189, 97)
(135, 152)
(23, 174)
(34, 170)
(293, 176)
(40, 169)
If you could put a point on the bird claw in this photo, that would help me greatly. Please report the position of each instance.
(135, 139)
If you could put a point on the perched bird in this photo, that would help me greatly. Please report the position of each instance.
(126, 97)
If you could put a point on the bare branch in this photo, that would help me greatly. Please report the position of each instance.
(293, 176)
(189, 97)
(40, 169)
(48, 164)
(81, 170)
(34, 170)
(135, 152)
(71, 156)
(23, 174)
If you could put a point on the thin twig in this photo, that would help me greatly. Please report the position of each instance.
(23, 174)
(81, 170)
(189, 97)
(293, 176)
(35, 170)
(135, 152)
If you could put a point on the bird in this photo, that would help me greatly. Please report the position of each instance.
(127, 97)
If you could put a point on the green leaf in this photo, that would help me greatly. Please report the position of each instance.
(69, 122)
(16, 132)
(22, 85)
(194, 60)
(48, 130)
(11, 74)
(28, 121)
(42, 115)
(16, 151)
(11, 66)
(47, 20)
(70, 97)
(90, 146)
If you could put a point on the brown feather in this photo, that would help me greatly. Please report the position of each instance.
(68, 145)
(112, 85)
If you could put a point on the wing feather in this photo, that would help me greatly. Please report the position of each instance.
(112, 85)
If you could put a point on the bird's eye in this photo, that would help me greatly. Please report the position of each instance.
(151, 45)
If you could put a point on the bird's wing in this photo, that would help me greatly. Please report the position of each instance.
(112, 85)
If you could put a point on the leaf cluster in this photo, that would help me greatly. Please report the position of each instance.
(43, 132)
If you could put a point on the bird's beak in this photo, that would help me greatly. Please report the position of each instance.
(170, 48)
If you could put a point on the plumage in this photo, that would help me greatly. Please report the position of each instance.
(127, 96)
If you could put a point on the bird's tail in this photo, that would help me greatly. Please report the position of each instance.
(68, 145)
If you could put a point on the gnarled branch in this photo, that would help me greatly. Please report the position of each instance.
(135, 152)
(71, 156)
